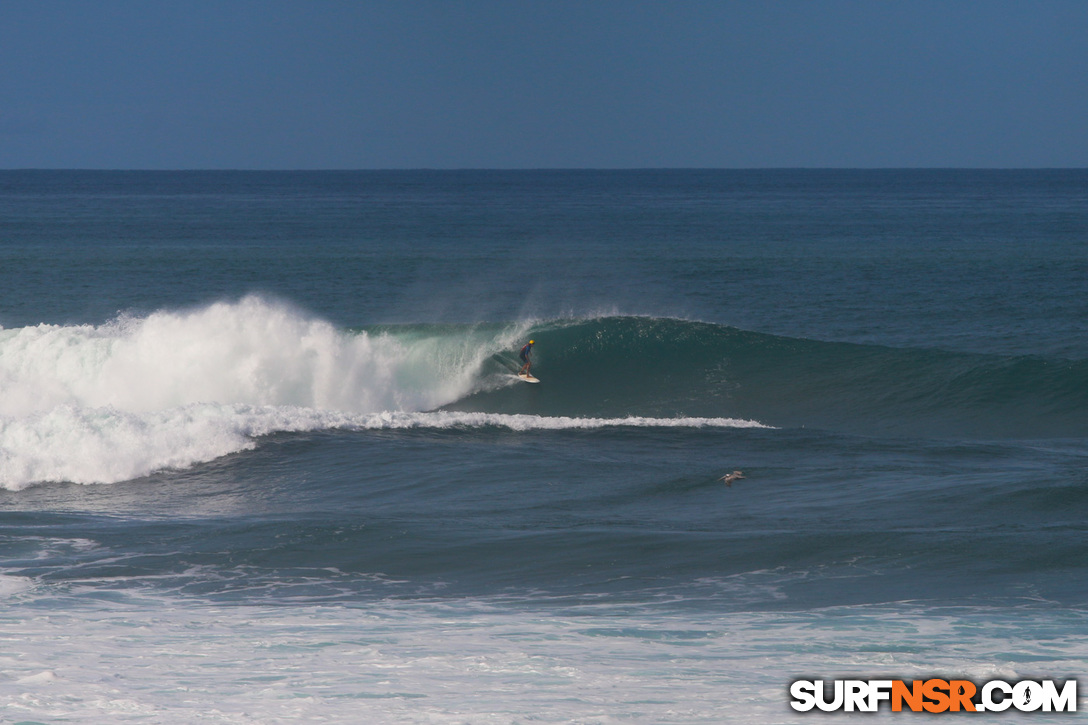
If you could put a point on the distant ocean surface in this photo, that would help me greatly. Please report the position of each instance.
(263, 457)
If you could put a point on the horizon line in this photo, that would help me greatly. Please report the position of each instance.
(566, 169)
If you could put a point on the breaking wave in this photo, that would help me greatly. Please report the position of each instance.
(139, 394)
(101, 404)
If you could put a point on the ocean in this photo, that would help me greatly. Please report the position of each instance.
(264, 459)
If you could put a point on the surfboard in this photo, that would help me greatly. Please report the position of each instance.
(528, 378)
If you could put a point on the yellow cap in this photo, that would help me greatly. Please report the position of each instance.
(530, 342)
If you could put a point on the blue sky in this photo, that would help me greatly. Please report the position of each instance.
(543, 84)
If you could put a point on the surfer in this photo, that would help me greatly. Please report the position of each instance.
(730, 477)
(524, 355)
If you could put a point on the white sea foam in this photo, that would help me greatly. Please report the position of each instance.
(101, 404)
(103, 445)
(474, 661)
(12, 585)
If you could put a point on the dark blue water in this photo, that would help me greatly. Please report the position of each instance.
(963, 260)
(287, 399)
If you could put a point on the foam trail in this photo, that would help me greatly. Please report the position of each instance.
(106, 446)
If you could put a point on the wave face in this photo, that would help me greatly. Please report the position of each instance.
(617, 366)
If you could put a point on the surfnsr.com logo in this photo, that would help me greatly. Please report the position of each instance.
(934, 695)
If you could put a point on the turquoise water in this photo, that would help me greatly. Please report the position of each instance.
(263, 458)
